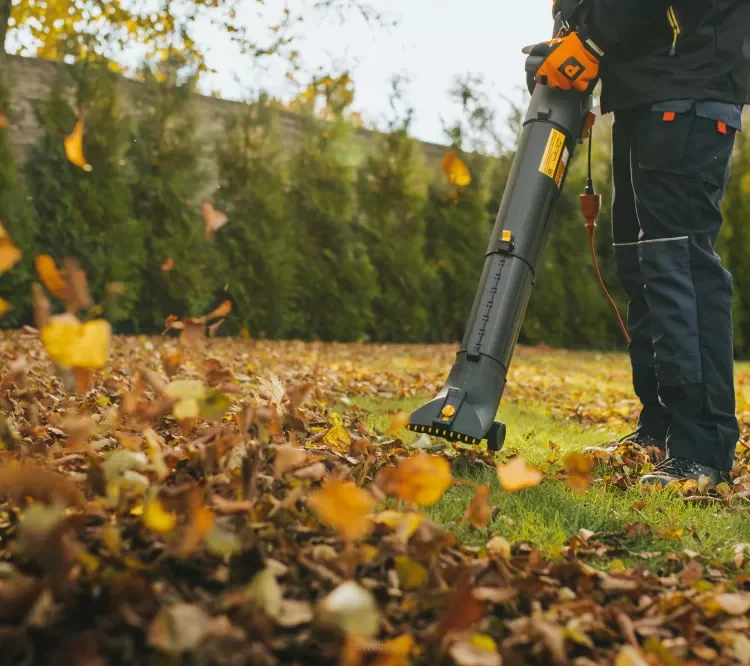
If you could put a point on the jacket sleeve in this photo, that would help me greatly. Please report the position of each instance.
(615, 25)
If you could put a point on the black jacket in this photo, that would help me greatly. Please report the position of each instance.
(660, 50)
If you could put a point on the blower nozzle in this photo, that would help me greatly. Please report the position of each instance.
(465, 409)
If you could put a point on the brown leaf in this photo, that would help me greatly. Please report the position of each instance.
(692, 573)
(41, 306)
(77, 296)
(478, 513)
(288, 458)
(30, 480)
(630, 656)
(462, 611)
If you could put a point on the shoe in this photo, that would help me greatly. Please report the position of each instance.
(682, 469)
(638, 439)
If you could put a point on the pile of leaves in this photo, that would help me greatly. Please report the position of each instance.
(191, 500)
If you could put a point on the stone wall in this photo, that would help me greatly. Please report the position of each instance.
(32, 78)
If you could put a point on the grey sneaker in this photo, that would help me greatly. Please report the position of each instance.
(682, 469)
(638, 439)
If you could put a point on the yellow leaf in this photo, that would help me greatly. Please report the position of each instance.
(579, 468)
(344, 506)
(9, 253)
(74, 147)
(406, 523)
(398, 421)
(5, 307)
(517, 475)
(630, 656)
(423, 479)
(157, 519)
(669, 532)
(111, 539)
(186, 409)
(75, 345)
(337, 437)
(455, 170)
(46, 268)
(411, 574)
(394, 652)
(484, 642)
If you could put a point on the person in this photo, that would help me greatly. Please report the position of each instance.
(676, 75)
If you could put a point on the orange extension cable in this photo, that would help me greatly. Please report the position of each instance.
(591, 206)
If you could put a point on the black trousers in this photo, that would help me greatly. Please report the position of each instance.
(670, 175)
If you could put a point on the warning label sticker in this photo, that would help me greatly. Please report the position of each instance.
(562, 167)
(552, 154)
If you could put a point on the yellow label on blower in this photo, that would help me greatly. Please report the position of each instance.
(552, 154)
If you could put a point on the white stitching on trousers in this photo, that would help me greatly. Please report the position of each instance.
(655, 240)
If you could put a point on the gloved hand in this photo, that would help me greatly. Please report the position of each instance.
(568, 63)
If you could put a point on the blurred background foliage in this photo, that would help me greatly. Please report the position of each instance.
(341, 240)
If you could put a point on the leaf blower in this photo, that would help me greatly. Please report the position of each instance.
(556, 122)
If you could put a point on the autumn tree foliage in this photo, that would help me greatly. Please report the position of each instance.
(392, 196)
(258, 248)
(88, 212)
(180, 274)
(335, 280)
(16, 217)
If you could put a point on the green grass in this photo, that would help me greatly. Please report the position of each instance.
(547, 516)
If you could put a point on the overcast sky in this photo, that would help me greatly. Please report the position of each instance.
(434, 41)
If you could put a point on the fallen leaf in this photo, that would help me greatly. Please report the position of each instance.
(733, 604)
(178, 629)
(579, 468)
(74, 147)
(5, 307)
(50, 276)
(411, 574)
(517, 475)
(338, 436)
(351, 609)
(157, 519)
(344, 506)
(478, 513)
(455, 170)
(498, 546)
(264, 593)
(168, 265)
(630, 656)
(213, 219)
(668, 532)
(288, 458)
(468, 653)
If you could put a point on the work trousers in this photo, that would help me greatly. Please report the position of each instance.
(671, 165)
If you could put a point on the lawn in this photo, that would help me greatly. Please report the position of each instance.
(205, 500)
